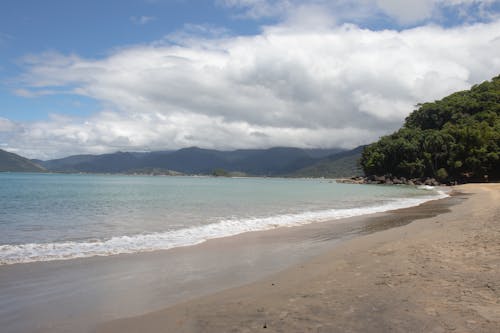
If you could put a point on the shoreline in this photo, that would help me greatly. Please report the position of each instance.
(417, 277)
(162, 241)
(76, 295)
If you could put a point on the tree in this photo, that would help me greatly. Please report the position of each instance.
(456, 138)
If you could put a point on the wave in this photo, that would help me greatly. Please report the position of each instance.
(33, 252)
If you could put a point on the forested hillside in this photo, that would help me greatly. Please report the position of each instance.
(453, 139)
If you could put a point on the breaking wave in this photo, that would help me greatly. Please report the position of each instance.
(25, 253)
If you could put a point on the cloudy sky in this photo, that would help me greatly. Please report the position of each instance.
(101, 76)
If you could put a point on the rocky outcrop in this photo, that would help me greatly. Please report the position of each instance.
(389, 180)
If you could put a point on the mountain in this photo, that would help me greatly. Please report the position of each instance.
(106, 163)
(273, 161)
(264, 162)
(65, 164)
(191, 160)
(321, 153)
(269, 162)
(340, 165)
(15, 163)
(454, 139)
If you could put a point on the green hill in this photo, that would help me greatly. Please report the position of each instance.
(453, 139)
(15, 163)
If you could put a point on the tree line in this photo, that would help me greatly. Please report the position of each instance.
(454, 139)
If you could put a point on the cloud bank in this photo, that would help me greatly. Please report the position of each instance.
(332, 86)
(406, 12)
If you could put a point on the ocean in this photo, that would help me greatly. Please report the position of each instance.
(45, 217)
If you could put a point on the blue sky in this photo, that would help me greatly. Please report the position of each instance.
(99, 76)
(92, 29)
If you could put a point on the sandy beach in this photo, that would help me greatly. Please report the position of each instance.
(436, 274)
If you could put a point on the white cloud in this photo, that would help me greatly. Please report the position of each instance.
(6, 125)
(407, 11)
(289, 86)
(7, 130)
(33, 93)
(110, 131)
(403, 12)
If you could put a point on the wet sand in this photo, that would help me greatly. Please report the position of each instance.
(77, 295)
(440, 273)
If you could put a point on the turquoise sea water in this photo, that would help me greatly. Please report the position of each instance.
(53, 216)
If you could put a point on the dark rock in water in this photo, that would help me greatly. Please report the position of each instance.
(397, 181)
(353, 180)
(431, 182)
(389, 180)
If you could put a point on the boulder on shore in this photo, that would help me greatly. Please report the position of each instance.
(389, 180)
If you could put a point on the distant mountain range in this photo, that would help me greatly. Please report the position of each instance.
(15, 163)
(278, 161)
(339, 165)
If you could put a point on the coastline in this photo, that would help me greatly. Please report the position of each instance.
(439, 274)
(190, 235)
(76, 295)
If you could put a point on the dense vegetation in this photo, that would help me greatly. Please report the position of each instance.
(453, 139)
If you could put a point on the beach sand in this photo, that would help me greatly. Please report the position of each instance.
(76, 295)
(437, 274)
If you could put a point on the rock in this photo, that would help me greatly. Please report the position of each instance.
(431, 182)
(389, 180)
(350, 181)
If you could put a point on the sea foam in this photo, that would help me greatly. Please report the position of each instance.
(33, 252)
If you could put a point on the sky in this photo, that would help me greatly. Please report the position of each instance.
(101, 76)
